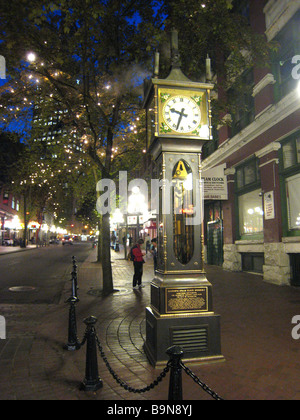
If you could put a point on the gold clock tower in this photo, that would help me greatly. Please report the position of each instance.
(178, 124)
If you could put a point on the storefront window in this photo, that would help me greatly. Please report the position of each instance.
(251, 213)
(293, 201)
(290, 175)
(182, 211)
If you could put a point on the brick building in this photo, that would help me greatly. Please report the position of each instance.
(258, 228)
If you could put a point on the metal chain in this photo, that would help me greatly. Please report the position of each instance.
(122, 383)
(199, 382)
(84, 338)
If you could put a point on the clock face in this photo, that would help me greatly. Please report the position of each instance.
(182, 114)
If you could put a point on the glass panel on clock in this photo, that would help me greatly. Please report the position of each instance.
(183, 210)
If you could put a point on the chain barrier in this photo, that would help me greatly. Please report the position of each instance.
(205, 388)
(92, 380)
(122, 383)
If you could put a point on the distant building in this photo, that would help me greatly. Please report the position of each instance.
(10, 218)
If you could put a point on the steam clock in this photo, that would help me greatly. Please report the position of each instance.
(181, 310)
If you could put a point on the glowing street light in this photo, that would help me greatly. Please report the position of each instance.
(31, 57)
(137, 202)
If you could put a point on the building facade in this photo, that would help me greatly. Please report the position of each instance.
(261, 150)
(10, 218)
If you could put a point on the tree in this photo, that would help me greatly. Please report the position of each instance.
(10, 151)
(89, 61)
(218, 28)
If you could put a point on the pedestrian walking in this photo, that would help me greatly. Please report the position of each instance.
(153, 251)
(138, 262)
(148, 243)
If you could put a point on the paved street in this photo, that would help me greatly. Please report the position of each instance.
(41, 272)
(261, 358)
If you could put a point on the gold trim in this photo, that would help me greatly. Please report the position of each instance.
(156, 110)
(165, 239)
(185, 91)
(180, 315)
(202, 212)
(184, 272)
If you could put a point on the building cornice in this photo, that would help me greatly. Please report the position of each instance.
(277, 113)
(272, 147)
(278, 13)
(266, 81)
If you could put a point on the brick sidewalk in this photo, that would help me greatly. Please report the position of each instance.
(262, 359)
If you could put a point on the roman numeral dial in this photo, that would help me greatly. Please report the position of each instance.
(182, 114)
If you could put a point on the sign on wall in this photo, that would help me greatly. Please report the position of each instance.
(215, 183)
(269, 209)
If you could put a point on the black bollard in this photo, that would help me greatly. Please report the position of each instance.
(92, 381)
(73, 343)
(74, 279)
(175, 388)
(74, 284)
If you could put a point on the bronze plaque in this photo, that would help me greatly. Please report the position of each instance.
(188, 299)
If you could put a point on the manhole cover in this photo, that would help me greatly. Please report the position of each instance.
(22, 289)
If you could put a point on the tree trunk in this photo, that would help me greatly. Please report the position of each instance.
(108, 287)
(25, 222)
(99, 250)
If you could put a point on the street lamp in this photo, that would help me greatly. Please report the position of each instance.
(137, 206)
(31, 57)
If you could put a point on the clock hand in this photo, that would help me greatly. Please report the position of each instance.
(181, 115)
(174, 111)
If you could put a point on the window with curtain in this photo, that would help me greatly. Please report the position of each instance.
(251, 213)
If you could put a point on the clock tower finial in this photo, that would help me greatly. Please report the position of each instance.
(175, 56)
(176, 72)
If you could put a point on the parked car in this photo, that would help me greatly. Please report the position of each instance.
(67, 240)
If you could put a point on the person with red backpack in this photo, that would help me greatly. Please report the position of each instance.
(138, 262)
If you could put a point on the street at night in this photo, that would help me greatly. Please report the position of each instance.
(43, 271)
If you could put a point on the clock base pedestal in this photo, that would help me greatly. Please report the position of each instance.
(198, 336)
(181, 315)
